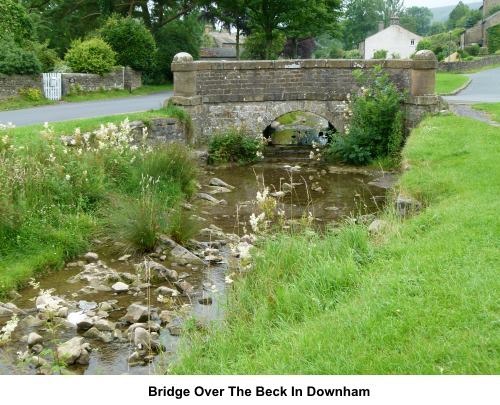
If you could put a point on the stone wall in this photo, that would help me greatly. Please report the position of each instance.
(119, 78)
(11, 85)
(468, 65)
(161, 130)
(251, 94)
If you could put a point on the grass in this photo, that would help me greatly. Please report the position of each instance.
(56, 198)
(17, 103)
(420, 298)
(448, 83)
(493, 109)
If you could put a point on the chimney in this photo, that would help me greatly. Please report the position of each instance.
(395, 20)
(380, 26)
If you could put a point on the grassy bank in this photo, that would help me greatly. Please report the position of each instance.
(493, 109)
(17, 103)
(448, 83)
(55, 198)
(421, 298)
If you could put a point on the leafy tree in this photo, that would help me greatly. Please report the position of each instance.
(16, 60)
(417, 19)
(361, 20)
(437, 27)
(91, 56)
(458, 14)
(233, 13)
(391, 8)
(257, 45)
(15, 22)
(130, 39)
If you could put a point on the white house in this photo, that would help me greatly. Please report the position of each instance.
(395, 39)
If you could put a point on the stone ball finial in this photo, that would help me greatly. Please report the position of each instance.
(183, 57)
(425, 54)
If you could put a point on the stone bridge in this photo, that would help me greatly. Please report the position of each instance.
(252, 94)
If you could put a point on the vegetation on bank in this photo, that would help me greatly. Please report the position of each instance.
(420, 297)
(448, 83)
(234, 146)
(102, 180)
(493, 109)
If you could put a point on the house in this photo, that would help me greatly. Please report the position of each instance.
(478, 34)
(396, 40)
(220, 44)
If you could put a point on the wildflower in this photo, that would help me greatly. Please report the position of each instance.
(68, 177)
(261, 197)
(311, 155)
(254, 221)
(8, 328)
(259, 154)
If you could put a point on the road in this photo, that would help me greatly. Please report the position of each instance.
(484, 88)
(88, 109)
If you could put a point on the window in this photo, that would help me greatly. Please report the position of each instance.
(412, 42)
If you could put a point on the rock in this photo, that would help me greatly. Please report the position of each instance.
(214, 181)
(91, 257)
(5, 312)
(365, 219)
(208, 197)
(218, 190)
(128, 277)
(205, 300)
(94, 333)
(37, 348)
(184, 287)
(150, 326)
(377, 226)
(166, 316)
(62, 312)
(166, 291)
(136, 313)
(166, 241)
(30, 322)
(48, 302)
(142, 338)
(175, 327)
(74, 350)
(160, 270)
(34, 338)
(13, 295)
(105, 306)
(135, 359)
(87, 305)
(84, 324)
(407, 205)
(120, 287)
(214, 259)
(124, 258)
(331, 208)
(38, 361)
(105, 326)
(183, 256)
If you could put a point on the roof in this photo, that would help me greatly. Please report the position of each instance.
(399, 28)
(218, 52)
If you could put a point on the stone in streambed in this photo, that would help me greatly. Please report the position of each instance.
(214, 181)
(120, 287)
(34, 339)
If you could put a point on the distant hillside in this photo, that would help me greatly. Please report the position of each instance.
(442, 13)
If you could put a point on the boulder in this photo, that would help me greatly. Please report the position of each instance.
(48, 302)
(136, 313)
(183, 256)
(377, 226)
(218, 190)
(74, 351)
(208, 197)
(87, 305)
(34, 339)
(91, 257)
(94, 333)
(166, 291)
(214, 181)
(120, 287)
(166, 316)
(124, 258)
(105, 326)
(184, 287)
(407, 205)
(151, 326)
(160, 270)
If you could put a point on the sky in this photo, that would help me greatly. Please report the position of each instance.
(434, 3)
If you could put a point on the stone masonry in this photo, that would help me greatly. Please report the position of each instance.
(251, 94)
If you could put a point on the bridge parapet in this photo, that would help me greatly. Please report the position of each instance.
(251, 94)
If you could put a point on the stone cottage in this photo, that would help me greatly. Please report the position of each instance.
(395, 39)
(478, 34)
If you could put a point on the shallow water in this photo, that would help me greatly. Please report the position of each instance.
(340, 192)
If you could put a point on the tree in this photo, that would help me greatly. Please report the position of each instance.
(391, 8)
(460, 12)
(417, 19)
(130, 39)
(233, 13)
(361, 18)
(15, 22)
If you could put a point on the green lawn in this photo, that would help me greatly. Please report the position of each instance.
(17, 103)
(493, 109)
(447, 83)
(421, 298)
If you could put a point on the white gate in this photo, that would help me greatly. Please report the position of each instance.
(52, 86)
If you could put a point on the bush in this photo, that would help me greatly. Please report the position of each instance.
(493, 34)
(31, 94)
(483, 51)
(131, 40)
(256, 46)
(380, 54)
(15, 60)
(91, 56)
(352, 54)
(377, 125)
(47, 57)
(15, 22)
(473, 49)
(234, 146)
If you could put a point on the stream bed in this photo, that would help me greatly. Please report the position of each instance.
(91, 287)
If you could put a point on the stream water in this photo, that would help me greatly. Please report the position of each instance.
(329, 193)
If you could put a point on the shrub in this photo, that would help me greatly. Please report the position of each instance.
(256, 46)
(15, 22)
(395, 55)
(380, 54)
(493, 34)
(131, 40)
(47, 57)
(15, 60)
(90, 56)
(182, 226)
(352, 54)
(483, 51)
(376, 127)
(473, 49)
(234, 146)
(31, 94)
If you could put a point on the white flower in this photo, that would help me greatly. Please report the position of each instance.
(254, 221)
(68, 177)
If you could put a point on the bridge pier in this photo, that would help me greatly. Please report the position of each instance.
(251, 94)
